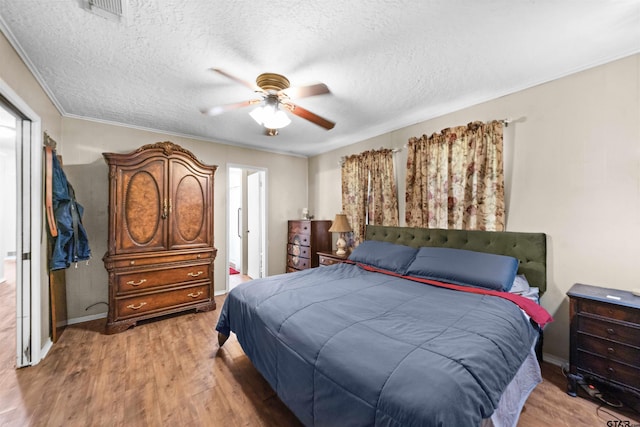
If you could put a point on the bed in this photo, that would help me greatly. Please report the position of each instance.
(417, 329)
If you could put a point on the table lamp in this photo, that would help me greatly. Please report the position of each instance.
(340, 225)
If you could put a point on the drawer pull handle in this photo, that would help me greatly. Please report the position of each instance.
(195, 274)
(136, 307)
(611, 331)
(611, 350)
(138, 283)
(194, 295)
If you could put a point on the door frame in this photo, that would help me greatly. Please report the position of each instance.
(260, 217)
(35, 273)
(266, 218)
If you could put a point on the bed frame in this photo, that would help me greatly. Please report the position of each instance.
(529, 248)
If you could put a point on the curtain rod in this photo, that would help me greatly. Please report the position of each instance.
(343, 158)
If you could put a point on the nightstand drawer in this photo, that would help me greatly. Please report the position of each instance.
(609, 369)
(609, 330)
(609, 349)
(325, 260)
(610, 311)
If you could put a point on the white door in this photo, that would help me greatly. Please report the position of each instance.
(28, 202)
(255, 225)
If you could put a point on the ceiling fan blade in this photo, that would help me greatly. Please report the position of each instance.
(251, 86)
(304, 91)
(217, 110)
(308, 115)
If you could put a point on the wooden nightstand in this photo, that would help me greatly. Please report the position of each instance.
(605, 340)
(330, 258)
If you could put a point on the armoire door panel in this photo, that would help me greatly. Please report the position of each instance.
(142, 210)
(190, 203)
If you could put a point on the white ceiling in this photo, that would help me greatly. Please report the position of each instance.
(388, 63)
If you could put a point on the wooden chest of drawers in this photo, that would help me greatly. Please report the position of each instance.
(605, 338)
(305, 239)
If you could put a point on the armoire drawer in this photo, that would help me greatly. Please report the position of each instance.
(135, 281)
(148, 303)
(140, 260)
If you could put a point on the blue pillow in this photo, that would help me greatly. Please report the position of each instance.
(462, 267)
(384, 255)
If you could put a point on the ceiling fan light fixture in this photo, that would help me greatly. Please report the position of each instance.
(270, 116)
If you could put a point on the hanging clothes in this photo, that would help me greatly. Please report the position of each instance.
(71, 244)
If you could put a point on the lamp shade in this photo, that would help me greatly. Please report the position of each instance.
(340, 224)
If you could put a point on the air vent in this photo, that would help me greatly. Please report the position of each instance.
(109, 9)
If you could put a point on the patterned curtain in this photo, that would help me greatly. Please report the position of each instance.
(369, 192)
(354, 197)
(455, 179)
(382, 208)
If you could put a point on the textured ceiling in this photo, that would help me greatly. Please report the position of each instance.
(388, 63)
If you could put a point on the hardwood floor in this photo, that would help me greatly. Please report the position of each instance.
(170, 372)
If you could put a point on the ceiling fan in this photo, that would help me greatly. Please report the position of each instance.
(275, 96)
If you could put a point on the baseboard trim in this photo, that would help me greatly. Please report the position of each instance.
(554, 360)
(86, 318)
(218, 293)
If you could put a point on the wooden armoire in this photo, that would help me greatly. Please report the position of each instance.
(160, 247)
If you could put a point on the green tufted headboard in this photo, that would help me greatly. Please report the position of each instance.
(529, 248)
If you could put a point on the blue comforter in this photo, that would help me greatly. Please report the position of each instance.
(342, 346)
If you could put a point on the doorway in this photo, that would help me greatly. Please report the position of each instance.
(246, 224)
(21, 164)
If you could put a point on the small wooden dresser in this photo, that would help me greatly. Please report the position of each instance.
(306, 238)
(605, 338)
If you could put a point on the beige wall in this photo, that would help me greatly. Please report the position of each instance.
(81, 143)
(18, 77)
(84, 142)
(573, 172)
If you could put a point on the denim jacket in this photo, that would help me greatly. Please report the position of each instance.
(71, 245)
